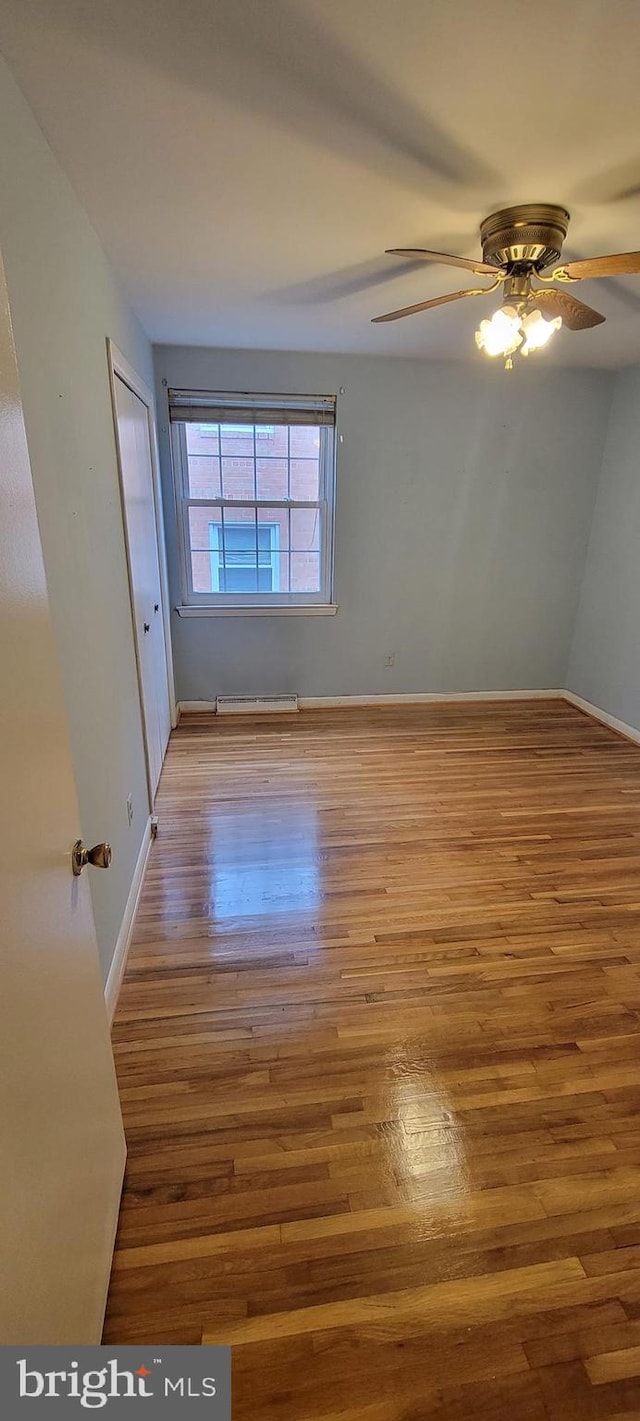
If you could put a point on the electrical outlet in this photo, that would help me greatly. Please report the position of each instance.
(390, 658)
(130, 808)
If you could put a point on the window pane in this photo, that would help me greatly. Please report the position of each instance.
(281, 572)
(204, 476)
(202, 438)
(305, 529)
(236, 439)
(200, 521)
(238, 537)
(305, 572)
(273, 523)
(246, 578)
(305, 479)
(272, 478)
(304, 441)
(272, 440)
(202, 572)
(203, 536)
(239, 531)
(237, 478)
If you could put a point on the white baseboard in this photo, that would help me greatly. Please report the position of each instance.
(119, 959)
(629, 731)
(408, 698)
(412, 698)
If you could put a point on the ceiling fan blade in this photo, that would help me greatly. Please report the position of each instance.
(575, 315)
(425, 305)
(625, 264)
(421, 254)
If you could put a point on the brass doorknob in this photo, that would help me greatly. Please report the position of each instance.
(99, 856)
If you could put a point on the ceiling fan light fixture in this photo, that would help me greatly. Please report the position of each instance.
(537, 331)
(501, 335)
(511, 330)
(519, 244)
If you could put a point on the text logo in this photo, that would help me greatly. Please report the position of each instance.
(113, 1379)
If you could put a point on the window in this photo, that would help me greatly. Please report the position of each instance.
(254, 479)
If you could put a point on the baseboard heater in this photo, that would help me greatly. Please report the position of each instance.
(255, 705)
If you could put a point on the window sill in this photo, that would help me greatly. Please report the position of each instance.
(324, 609)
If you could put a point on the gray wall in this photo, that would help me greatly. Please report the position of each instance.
(64, 302)
(465, 497)
(605, 659)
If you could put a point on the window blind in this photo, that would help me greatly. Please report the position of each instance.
(212, 407)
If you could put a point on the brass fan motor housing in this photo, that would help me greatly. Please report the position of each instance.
(526, 236)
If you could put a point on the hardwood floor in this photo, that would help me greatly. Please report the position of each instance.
(379, 1055)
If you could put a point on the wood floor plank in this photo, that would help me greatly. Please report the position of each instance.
(378, 1047)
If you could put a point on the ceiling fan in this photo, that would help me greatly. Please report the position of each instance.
(518, 245)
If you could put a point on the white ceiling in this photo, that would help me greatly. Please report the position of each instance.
(246, 162)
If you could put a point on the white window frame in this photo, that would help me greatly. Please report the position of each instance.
(224, 603)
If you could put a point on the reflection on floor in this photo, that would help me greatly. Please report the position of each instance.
(379, 1055)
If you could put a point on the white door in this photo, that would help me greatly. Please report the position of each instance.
(139, 504)
(61, 1138)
